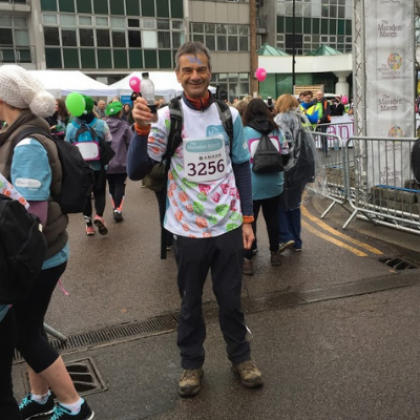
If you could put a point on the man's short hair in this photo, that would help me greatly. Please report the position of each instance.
(194, 48)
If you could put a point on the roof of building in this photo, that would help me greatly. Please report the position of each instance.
(269, 50)
(324, 50)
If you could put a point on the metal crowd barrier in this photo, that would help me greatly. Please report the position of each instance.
(384, 190)
(343, 129)
(331, 170)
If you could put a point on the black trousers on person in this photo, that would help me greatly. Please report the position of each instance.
(32, 340)
(99, 191)
(270, 209)
(223, 256)
(116, 184)
(9, 408)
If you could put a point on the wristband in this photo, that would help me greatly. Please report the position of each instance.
(142, 130)
(248, 219)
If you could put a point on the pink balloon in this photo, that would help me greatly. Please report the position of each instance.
(344, 100)
(260, 74)
(135, 84)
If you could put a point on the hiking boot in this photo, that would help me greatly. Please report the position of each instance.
(99, 222)
(248, 267)
(61, 413)
(248, 373)
(190, 382)
(118, 216)
(284, 245)
(276, 258)
(90, 230)
(30, 409)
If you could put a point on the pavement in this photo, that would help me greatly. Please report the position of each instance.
(337, 355)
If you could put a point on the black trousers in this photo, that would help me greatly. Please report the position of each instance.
(32, 340)
(99, 191)
(116, 184)
(270, 209)
(223, 255)
(9, 408)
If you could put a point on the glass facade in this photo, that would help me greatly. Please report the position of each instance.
(317, 22)
(235, 84)
(112, 34)
(14, 40)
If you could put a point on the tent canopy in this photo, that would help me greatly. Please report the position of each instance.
(267, 50)
(63, 82)
(166, 84)
(324, 50)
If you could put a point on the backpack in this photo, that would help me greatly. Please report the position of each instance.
(22, 250)
(77, 177)
(267, 159)
(91, 146)
(157, 178)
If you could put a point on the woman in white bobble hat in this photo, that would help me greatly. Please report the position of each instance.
(33, 167)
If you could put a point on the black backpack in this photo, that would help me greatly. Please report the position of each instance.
(77, 179)
(22, 250)
(267, 159)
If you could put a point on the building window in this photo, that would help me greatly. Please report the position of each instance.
(221, 37)
(235, 84)
(14, 40)
(328, 18)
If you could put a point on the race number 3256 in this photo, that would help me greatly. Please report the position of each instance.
(204, 160)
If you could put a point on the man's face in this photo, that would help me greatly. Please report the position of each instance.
(307, 98)
(194, 75)
(101, 104)
(319, 96)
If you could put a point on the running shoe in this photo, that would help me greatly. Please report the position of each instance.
(61, 413)
(118, 216)
(30, 409)
(284, 245)
(99, 222)
(90, 230)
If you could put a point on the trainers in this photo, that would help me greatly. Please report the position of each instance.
(284, 245)
(99, 222)
(61, 413)
(248, 373)
(118, 216)
(296, 249)
(248, 267)
(276, 258)
(190, 382)
(30, 409)
(90, 230)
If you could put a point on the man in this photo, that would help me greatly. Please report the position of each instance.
(322, 107)
(100, 110)
(209, 212)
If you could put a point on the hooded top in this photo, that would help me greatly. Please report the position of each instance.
(121, 135)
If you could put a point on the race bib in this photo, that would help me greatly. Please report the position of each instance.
(89, 150)
(205, 159)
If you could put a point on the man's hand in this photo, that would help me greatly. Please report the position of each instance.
(248, 235)
(141, 113)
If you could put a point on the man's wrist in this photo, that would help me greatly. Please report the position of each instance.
(248, 219)
(142, 130)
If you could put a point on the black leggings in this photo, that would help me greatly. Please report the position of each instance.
(99, 191)
(32, 340)
(9, 408)
(116, 184)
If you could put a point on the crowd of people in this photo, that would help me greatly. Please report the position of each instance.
(209, 209)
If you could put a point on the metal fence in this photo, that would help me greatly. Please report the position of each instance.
(331, 181)
(380, 182)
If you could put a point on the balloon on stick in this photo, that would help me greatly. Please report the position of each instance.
(75, 104)
(260, 74)
(344, 100)
(135, 84)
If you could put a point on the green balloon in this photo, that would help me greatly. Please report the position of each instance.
(75, 104)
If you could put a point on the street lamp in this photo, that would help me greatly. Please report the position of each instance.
(294, 49)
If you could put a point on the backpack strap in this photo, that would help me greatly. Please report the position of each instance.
(226, 117)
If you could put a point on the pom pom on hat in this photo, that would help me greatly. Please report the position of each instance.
(114, 108)
(20, 89)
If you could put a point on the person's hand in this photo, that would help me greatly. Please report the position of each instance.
(247, 235)
(141, 112)
(52, 128)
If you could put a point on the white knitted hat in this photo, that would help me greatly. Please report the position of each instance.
(18, 88)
